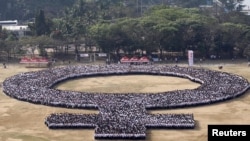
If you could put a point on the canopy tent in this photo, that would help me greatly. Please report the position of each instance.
(144, 59)
(125, 59)
(134, 60)
(34, 61)
(26, 60)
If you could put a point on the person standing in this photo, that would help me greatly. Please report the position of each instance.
(4, 65)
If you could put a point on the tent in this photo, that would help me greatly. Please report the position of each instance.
(43, 60)
(134, 59)
(144, 59)
(25, 60)
(125, 59)
(34, 62)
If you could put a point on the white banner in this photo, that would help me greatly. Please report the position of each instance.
(84, 55)
(190, 58)
(102, 54)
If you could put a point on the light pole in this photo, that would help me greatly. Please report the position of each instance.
(141, 7)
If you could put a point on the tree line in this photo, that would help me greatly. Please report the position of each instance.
(115, 25)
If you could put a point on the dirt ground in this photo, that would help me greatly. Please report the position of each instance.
(22, 121)
(128, 84)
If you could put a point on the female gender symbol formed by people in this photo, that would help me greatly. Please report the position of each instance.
(123, 115)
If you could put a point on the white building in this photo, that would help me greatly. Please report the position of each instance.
(246, 9)
(13, 26)
(246, 3)
(10, 22)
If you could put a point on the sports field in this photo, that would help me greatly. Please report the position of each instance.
(22, 121)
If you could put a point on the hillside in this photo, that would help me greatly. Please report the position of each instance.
(24, 10)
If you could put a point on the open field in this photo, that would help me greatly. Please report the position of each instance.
(128, 84)
(22, 121)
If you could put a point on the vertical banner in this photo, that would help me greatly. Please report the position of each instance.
(190, 58)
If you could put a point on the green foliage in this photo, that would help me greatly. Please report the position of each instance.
(172, 29)
(3, 34)
(131, 25)
(25, 10)
(190, 3)
(42, 25)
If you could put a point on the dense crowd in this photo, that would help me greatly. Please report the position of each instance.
(123, 115)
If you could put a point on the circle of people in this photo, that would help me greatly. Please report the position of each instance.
(123, 115)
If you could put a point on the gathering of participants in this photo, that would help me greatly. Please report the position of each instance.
(123, 115)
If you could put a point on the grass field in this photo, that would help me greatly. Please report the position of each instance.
(22, 121)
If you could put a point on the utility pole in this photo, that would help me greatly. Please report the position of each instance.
(141, 7)
(137, 4)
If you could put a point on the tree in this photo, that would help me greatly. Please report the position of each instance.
(177, 29)
(3, 34)
(231, 37)
(9, 45)
(39, 43)
(190, 3)
(41, 24)
(25, 10)
(104, 36)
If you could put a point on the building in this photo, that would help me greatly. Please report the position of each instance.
(217, 6)
(246, 8)
(13, 26)
(8, 23)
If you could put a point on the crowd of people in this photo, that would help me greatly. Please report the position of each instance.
(123, 115)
